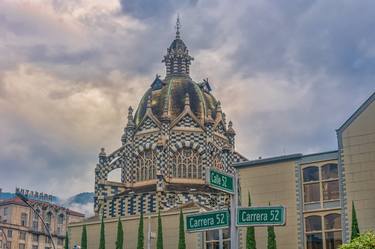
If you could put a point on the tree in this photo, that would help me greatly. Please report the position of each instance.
(141, 237)
(84, 238)
(355, 228)
(250, 232)
(102, 235)
(271, 241)
(159, 241)
(120, 235)
(363, 241)
(66, 241)
(181, 235)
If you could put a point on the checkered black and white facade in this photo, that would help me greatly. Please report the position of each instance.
(166, 151)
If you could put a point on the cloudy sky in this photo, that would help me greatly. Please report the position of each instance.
(288, 73)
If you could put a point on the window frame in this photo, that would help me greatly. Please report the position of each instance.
(321, 183)
(323, 230)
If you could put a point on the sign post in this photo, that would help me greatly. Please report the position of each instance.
(207, 221)
(261, 216)
(221, 181)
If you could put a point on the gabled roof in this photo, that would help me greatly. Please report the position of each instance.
(356, 113)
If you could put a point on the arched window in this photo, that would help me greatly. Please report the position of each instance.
(313, 223)
(146, 166)
(314, 235)
(333, 233)
(332, 221)
(318, 234)
(330, 171)
(187, 163)
(311, 184)
(311, 174)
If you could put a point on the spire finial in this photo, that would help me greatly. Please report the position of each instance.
(130, 117)
(187, 99)
(178, 26)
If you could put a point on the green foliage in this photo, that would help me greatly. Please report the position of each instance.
(355, 227)
(363, 241)
(159, 241)
(84, 238)
(181, 234)
(120, 235)
(141, 236)
(66, 246)
(250, 232)
(102, 235)
(271, 240)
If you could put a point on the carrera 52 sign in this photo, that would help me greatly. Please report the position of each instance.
(207, 221)
(261, 216)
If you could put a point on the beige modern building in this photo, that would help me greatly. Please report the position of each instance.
(24, 230)
(356, 139)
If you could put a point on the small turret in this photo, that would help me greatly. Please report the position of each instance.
(102, 156)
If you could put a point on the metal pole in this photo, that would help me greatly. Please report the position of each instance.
(233, 207)
(149, 233)
(221, 239)
(24, 199)
(5, 237)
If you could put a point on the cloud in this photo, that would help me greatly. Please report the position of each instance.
(287, 72)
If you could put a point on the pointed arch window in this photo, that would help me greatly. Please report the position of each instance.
(146, 166)
(187, 163)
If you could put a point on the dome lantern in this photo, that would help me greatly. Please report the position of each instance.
(177, 60)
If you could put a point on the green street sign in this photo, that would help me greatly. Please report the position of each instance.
(207, 221)
(261, 216)
(221, 181)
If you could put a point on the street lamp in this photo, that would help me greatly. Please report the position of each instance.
(5, 237)
(25, 200)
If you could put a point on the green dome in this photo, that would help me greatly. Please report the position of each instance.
(169, 94)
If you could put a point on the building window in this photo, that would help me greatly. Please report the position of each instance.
(311, 174)
(9, 244)
(60, 219)
(330, 182)
(24, 219)
(6, 211)
(187, 163)
(21, 246)
(49, 217)
(323, 236)
(35, 225)
(212, 239)
(34, 247)
(321, 184)
(146, 168)
(60, 242)
(10, 233)
(333, 234)
(314, 237)
(35, 238)
(22, 235)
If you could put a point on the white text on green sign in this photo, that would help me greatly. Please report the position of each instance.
(261, 216)
(207, 221)
(221, 181)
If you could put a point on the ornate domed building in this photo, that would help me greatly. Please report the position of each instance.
(178, 131)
